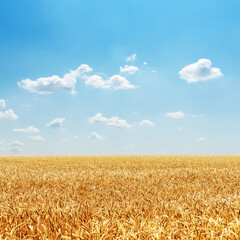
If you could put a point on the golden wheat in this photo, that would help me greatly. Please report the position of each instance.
(120, 197)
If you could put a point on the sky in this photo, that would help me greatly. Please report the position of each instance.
(119, 77)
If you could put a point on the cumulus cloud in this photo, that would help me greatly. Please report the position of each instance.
(118, 82)
(9, 114)
(56, 123)
(114, 121)
(29, 129)
(115, 82)
(47, 85)
(147, 122)
(200, 71)
(131, 58)
(201, 139)
(118, 122)
(2, 103)
(98, 118)
(16, 146)
(128, 69)
(175, 115)
(96, 81)
(36, 138)
(145, 63)
(94, 136)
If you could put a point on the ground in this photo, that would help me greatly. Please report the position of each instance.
(120, 197)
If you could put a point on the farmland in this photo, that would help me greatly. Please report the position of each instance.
(120, 197)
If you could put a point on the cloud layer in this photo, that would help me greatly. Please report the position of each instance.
(147, 122)
(175, 115)
(115, 82)
(94, 136)
(128, 69)
(131, 58)
(200, 71)
(56, 123)
(29, 129)
(114, 121)
(9, 114)
(37, 138)
(201, 139)
(2, 103)
(47, 85)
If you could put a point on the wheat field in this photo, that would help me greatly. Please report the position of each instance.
(120, 197)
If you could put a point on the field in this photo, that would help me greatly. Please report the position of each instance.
(120, 197)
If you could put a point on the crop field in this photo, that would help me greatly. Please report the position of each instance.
(120, 197)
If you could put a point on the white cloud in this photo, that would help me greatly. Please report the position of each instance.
(114, 121)
(56, 123)
(119, 82)
(201, 139)
(9, 114)
(128, 69)
(37, 138)
(154, 71)
(200, 71)
(98, 118)
(115, 82)
(16, 146)
(176, 115)
(29, 129)
(147, 122)
(118, 122)
(94, 136)
(2, 103)
(145, 63)
(96, 81)
(131, 58)
(47, 85)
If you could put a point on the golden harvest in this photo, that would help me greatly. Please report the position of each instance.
(120, 197)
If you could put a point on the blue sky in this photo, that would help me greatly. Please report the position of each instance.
(119, 77)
